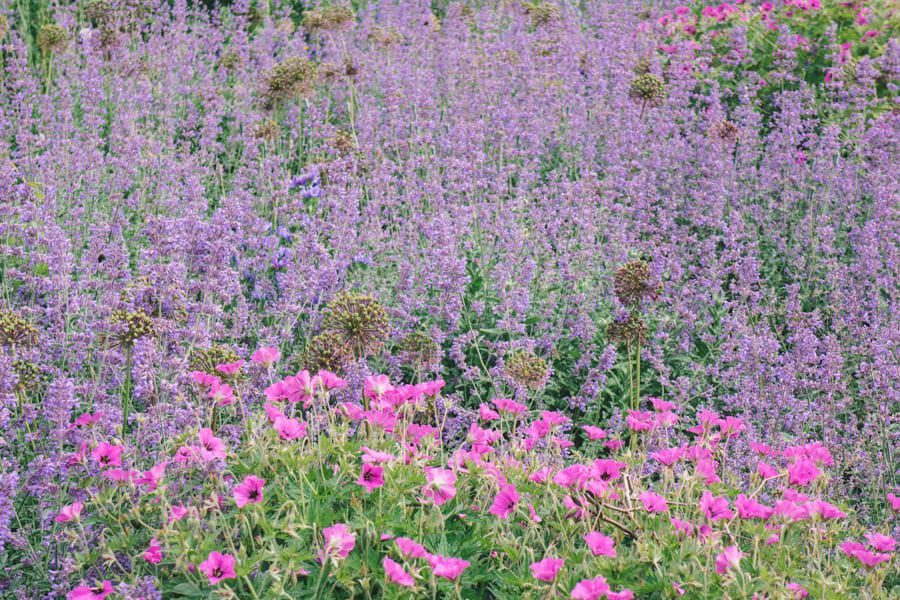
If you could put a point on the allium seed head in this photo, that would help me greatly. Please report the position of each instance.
(526, 369)
(633, 284)
(325, 352)
(15, 330)
(358, 321)
(130, 326)
(207, 359)
(648, 88)
(52, 38)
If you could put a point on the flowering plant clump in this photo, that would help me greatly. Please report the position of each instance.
(530, 299)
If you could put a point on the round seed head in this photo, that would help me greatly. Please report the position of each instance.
(325, 352)
(525, 369)
(328, 18)
(131, 326)
(359, 322)
(293, 76)
(633, 284)
(29, 375)
(52, 38)
(629, 331)
(419, 350)
(207, 359)
(15, 330)
(648, 88)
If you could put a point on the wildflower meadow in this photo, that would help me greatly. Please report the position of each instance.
(463, 299)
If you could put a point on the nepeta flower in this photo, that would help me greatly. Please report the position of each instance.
(505, 501)
(218, 567)
(396, 573)
(600, 545)
(339, 541)
(249, 492)
(371, 477)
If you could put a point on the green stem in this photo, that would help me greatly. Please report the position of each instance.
(126, 391)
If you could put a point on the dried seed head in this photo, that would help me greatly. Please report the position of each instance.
(630, 330)
(542, 13)
(725, 131)
(643, 66)
(15, 330)
(285, 26)
(385, 36)
(28, 374)
(325, 352)
(4, 26)
(293, 76)
(648, 88)
(266, 129)
(343, 142)
(97, 11)
(52, 38)
(419, 350)
(130, 326)
(207, 359)
(328, 18)
(525, 369)
(359, 322)
(230, 60)
(633, 284)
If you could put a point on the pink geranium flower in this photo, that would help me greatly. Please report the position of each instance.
(486, 413)
(222, 394)
(371, 477)
(290, 429)
(881, 542)
(505, 501)
(594, 433)
(107, 455)
(249, 492)
(505, 405)
(410, 549)
(218, 567)
(69, 513)
(653, 502)
(894, 501)
(266, 356)
(748, 508)
(715, 508)
(446, 567)
(97, 592)
(797, 590)
(339, 541)
(600, 545)
(440, 485)
(151, 478)
(330, 381)
(212, 446)
(546, 569)
(766, 471)
(803, 472)
(590, 589)
(396, 573)
(623, 594)
(376, 456)
(375, 386)
(729, 559)
(153, 554)
(862, 554)
(230, 368)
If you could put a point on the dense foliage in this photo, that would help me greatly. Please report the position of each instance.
(451, 240)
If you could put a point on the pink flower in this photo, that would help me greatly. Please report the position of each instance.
(213, 447)
(766, 471)
(266, 356)
(486, 413)
(273, 412)
(668, 456)
(729, 559)
(825, 510)
(748, 508)
(863, 555)
(69, 513)
(606, 469)
(290, 429)
(218, 567)
(86, 419)
(653, 502)
(153, 554)
(682, 527)
(222, 394)
(600, 545)
(98, 592)
(715, 509)
(152, 478)
(593, 433)
(410, 549)
(178, 512)
(330, 380)
(706, 468)
(448, 568)
(590, 589)
(505, 501)
(678, 589)
(249, 492)
(339, 541)
(894, 501)
(204, 378)
(803, 472)
(440, 485)
(505, 405)
(371, 477)
(375, 386)
(396, 573)
(546, 569)
(376, 456)
(230, 368)
(107, 455)
(881, 542)
(623, 594)
(639, 420)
